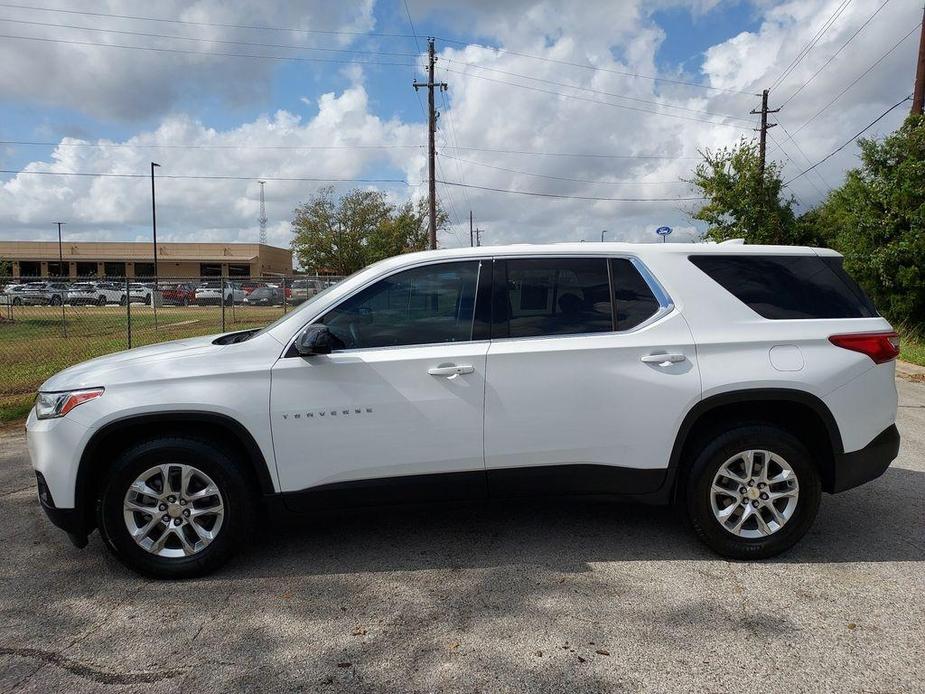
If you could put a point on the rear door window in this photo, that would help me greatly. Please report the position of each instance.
(788, 286)
(633, 300)
(551, 296)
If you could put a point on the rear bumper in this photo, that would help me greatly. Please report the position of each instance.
(861, 466)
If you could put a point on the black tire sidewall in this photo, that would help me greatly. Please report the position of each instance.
(717, 452)
(217, 463)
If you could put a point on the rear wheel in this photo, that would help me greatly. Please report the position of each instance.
(176, 507)
(101, 301)
(55, 301)
(753, 492)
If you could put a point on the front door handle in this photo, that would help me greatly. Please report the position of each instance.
(663, 359)
(450, 370)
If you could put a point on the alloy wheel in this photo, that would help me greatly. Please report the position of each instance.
(754, 493)
(173, 510)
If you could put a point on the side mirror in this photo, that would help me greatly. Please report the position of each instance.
(317, 339)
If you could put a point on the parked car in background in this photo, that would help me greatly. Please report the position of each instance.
(99, 293)
(177, 294)
(303, 290)
(45, 294)
(217, 292)
(250, 285)
(738, 382)
(264, 296)
(12, 294)
(139, 292)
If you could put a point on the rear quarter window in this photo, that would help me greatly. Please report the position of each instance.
(781, 287)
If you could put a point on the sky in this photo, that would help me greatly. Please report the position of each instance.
(561, 119)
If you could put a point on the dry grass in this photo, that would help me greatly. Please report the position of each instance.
(35, 343)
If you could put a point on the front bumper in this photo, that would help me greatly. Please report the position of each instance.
(70, 520)
(861, 466)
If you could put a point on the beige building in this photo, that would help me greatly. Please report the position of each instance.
(105, 259)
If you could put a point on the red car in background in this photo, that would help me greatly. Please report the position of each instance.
(250, 285)
(178, 294)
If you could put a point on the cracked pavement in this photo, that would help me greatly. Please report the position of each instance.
(541, 596)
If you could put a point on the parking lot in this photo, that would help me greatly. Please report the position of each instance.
(562, 596)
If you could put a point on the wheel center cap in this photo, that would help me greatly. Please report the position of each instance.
(174, 510)
(753, 493)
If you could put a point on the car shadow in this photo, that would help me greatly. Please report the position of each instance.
(878, 522)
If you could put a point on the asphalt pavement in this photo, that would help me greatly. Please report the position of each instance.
(539, 597)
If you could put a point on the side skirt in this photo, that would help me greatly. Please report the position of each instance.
(553, 480)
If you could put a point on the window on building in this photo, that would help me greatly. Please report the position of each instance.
(424, 305)
(552, 296)
(210, 269)
(239, 270)
(86, 269)
(56, 269)
(144, 269)
(114, 269)
(29, 268)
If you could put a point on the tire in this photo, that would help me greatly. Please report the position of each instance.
(753, 541)
(215, 464)
(229, 300)
(17, 301)
(101, 301)
(55, 301)
(147, 300)
(122, 300)
(184, 301)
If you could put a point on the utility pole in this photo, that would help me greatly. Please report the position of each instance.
(478, 236)
(61, 253)
(603, 231)
(918, 96)
(470, 228)
(762, 142)
(262, 219)
(154, 224)
(431, 130)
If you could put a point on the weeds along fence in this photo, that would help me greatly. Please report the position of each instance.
(47, 324)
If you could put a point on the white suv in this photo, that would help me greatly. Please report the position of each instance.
(738, 381)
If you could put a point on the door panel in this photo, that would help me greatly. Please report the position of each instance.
(367, 414)
(589, 400)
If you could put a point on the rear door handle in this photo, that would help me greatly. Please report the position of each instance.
(663, 359)
(450, 370)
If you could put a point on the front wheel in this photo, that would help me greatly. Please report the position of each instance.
(55, 301)
(753, 492)
(175, 507)
(101, 301)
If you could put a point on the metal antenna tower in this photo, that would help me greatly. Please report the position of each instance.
(262, 219)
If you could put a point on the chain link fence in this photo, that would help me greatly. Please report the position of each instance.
(49, 324)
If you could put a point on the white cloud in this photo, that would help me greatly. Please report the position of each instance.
(488, 113)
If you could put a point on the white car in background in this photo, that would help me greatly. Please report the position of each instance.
(138, 293)
(217, 292)
(99, 293)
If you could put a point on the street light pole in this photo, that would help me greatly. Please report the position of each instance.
(154, 221)
(604, 231)
(60, 250)
(154, 235)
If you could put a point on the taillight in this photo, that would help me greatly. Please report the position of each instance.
(881, 347)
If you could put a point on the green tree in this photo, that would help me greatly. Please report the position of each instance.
(741, 203)
(346, 234)
(876, 219)
(6, 268)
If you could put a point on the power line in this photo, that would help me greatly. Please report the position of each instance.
(208, 24)
(104, 145)
(561, 178)
(853, 138)
(207, 178)
(293, 46)
(189, 51)
(812, 42)
(590, 155)
(858, 78)
(595, 101)
(567, 197)
(584, 66)
(835, 54)
(593, 91)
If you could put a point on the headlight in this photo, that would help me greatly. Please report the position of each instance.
(52, 405)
